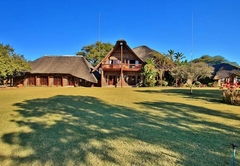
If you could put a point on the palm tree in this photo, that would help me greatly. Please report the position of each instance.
(178, 56)
(170, 54)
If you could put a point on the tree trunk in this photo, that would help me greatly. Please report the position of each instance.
(191, 90)
(160, 75)
(176, 82)
(189, 82)
(161, 79)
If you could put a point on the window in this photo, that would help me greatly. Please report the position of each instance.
(132, 61)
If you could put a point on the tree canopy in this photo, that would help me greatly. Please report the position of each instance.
(213, 60)
(11, 63)
(94, 53)
(192, 72)
(163, 62)
(178, 73)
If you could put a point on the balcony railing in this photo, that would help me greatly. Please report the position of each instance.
(132, 66)
(125, 66)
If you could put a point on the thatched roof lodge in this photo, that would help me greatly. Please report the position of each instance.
(60, 71)
(226, 74)
(224, 70)
(120, 67)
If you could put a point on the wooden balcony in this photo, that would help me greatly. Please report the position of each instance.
(132, 67)
(111, 67)
(125, 67)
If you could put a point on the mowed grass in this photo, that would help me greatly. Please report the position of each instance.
(116, 126)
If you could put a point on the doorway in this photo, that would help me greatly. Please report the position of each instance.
(112, 80)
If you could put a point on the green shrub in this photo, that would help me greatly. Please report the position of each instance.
(210, 84)
(213, 84)
(231, 96)
(203, 85)
(197, 84)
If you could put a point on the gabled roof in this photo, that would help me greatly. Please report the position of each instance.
(76, 66)
(117, 45)
(224, 70)
(144, 52)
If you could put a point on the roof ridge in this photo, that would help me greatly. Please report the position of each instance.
(62, 55)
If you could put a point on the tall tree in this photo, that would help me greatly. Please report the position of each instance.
(171, 54)
(11, 63)
(94, 53)
(197, 71)
(178, 73)
(163, 63)
(178, 56)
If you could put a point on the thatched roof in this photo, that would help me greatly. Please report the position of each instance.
(116, 47)
(224, 70)
(144, 52)
(76, 66)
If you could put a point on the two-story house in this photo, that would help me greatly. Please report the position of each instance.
(121, 67)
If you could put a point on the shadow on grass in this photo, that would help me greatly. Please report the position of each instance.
(211, 95)
(82, 130)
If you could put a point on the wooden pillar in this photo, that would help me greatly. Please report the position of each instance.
(61, 80)
(74, 81)
(35, 80)
(121, 64)
(48, 82)
(102, 77)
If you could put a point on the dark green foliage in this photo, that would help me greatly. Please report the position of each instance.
(94, 53)
(213, 60)
(178, 56)
(231, 96)
(170, 54)
(149, 73)
(213, 84)
(163, 63)
(11, 63)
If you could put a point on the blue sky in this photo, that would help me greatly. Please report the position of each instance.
(63, 27)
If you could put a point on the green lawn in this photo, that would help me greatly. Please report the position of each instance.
(117, 126)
